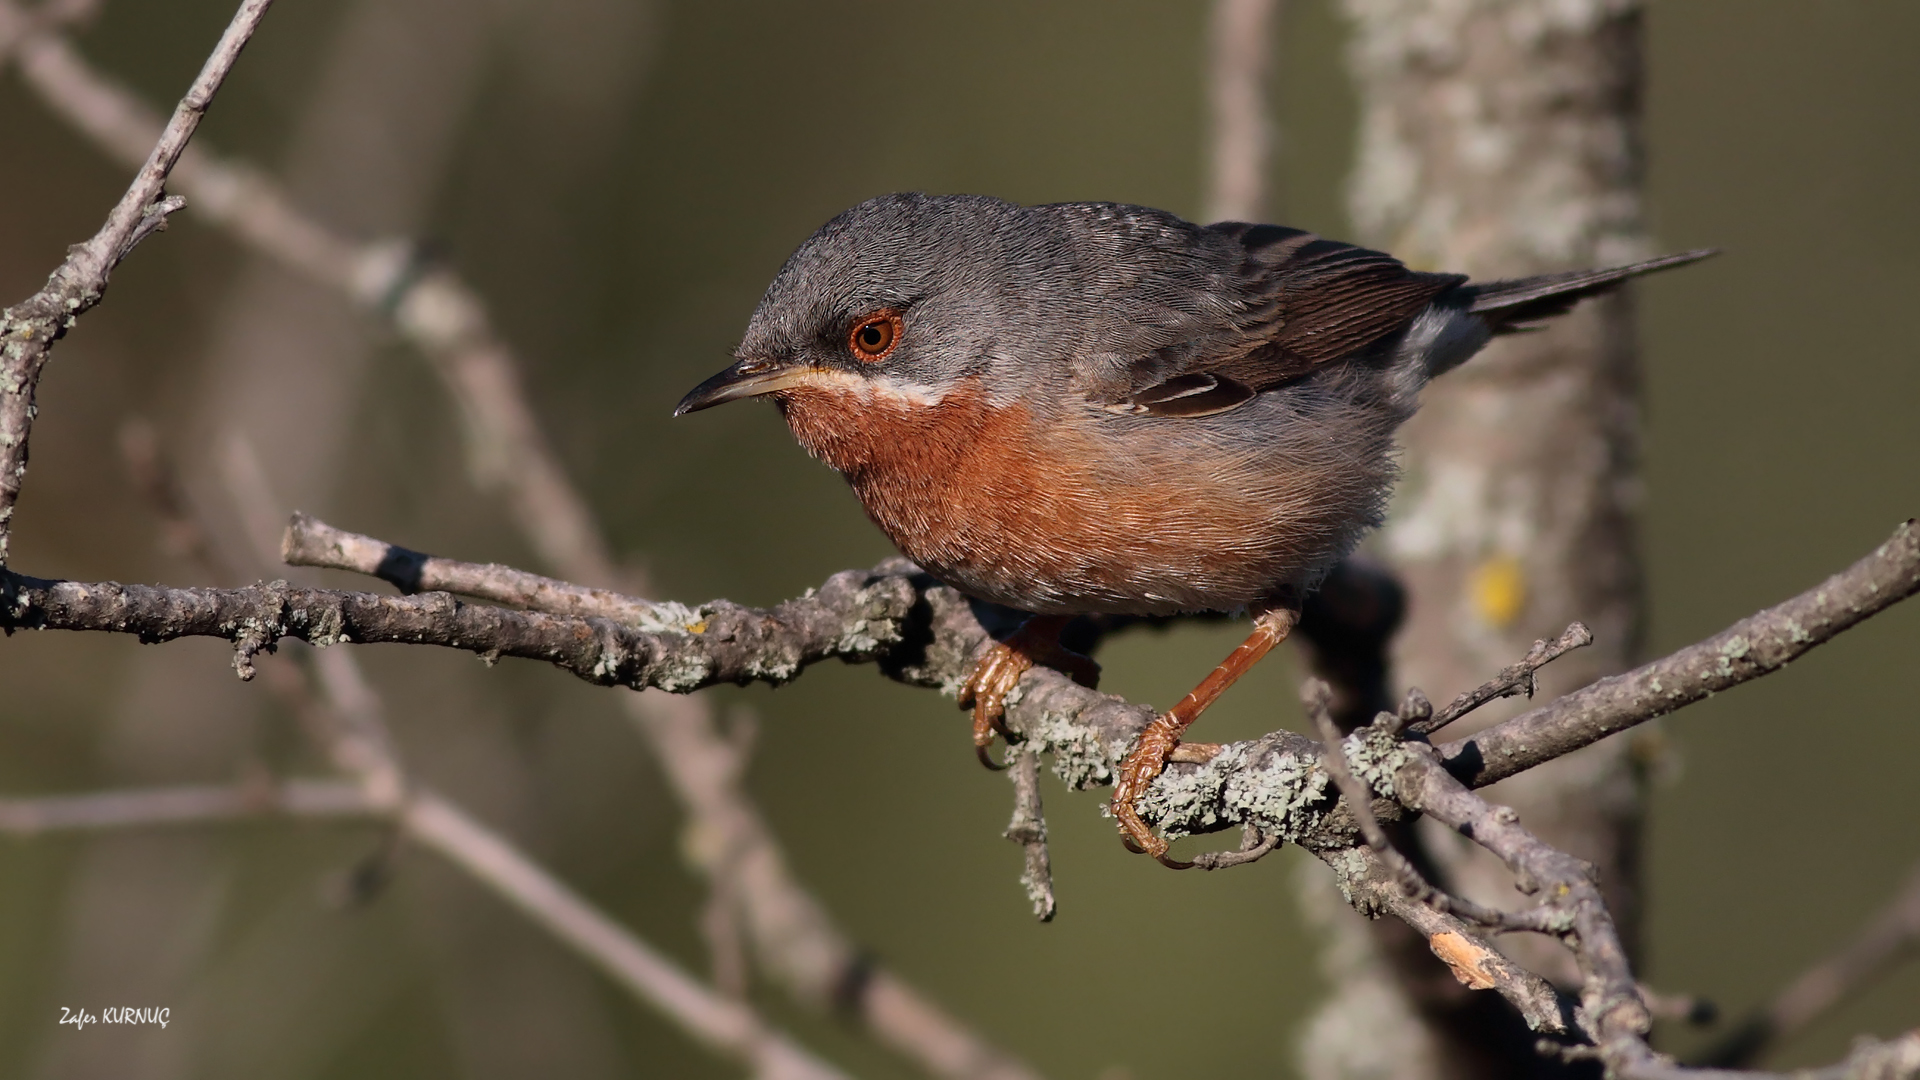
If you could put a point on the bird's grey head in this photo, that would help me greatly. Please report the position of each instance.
(909, 293)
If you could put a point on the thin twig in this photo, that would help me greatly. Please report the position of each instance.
(312, 542)
(1029, 829)
(31, 327)
(1516, 679)
(1254, 846)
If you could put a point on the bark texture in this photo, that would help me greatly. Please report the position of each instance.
(1501, 138)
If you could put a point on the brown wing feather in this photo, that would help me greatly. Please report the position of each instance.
(1306, 302)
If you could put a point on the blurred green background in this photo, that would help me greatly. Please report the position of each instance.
(621, 179)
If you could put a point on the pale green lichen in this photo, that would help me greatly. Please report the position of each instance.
(1245, 783)
(1374, 756)
(1735, 649)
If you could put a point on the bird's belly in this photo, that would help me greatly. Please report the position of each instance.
(1055, 530)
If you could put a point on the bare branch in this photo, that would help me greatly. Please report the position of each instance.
(1516, 679)
(720, 1022)
(921, 633)
(30, 328)
(1754, 646)
(312, 542)
(185, 806)
(430, 306)
(1463, 947)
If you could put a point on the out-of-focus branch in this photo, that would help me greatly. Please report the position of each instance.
(185, 806)
(429, 305)
(1750, 648)
(720, 1022)
(1892, 935)
(1240, 37)
(346, 716)
(30, 328)
(723, 1023)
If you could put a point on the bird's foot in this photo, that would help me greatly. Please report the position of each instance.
(1146, 761)
(1158, 743)
(1002, 665)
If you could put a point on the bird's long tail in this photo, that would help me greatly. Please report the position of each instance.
(1517, 305)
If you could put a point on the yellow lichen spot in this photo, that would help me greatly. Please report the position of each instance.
(697, 627)
(1498, 590)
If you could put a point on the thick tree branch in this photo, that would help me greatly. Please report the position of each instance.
(1755, 646)
(30, 328)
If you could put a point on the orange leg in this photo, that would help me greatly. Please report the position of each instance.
(1157, 742)
(1000, 667)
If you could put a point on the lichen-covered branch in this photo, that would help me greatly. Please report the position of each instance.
(29, 329)
(854, 616)
(1748, 649)
(924, 634)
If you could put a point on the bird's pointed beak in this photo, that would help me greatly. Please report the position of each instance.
(748, 378)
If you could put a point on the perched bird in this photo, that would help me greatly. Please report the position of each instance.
(1092, 408)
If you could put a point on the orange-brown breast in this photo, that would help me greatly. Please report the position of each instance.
(1056, 517)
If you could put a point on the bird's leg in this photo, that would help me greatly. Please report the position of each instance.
(1149, 756)
(1000, 667)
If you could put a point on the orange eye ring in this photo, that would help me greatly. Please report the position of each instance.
(874, 338)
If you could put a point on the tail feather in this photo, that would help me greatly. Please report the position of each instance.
(1513, 306)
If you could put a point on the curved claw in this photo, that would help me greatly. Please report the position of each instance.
(1148, 758)
(986, 758)
(986, 692)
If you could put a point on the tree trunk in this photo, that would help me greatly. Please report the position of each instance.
(1502, 138)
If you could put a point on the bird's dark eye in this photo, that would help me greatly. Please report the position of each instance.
(874, 337)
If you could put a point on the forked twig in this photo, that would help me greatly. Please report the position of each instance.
(1516, 679)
